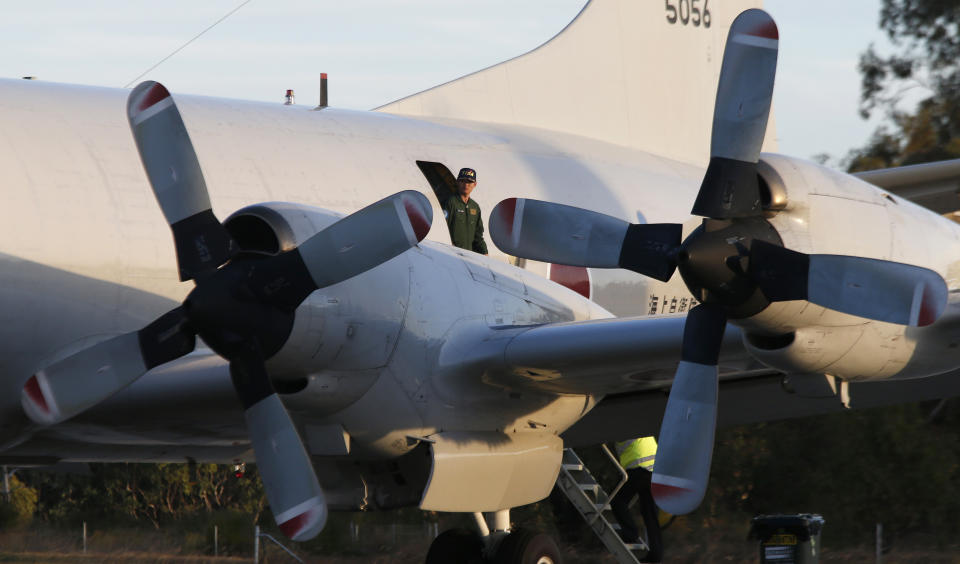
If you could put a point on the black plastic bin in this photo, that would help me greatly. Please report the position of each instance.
(788, 539)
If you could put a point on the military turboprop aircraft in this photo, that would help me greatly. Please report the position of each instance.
(377, 366)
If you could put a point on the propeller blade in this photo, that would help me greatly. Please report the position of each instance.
(876, 289)
(730, 187)
(296, 499)
(202, 243)
(561, 234)
(367, 238)
(686, 439)
(80, 381)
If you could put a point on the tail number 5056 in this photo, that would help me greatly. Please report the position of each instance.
(687, 12)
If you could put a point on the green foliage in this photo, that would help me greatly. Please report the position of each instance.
(19, 509)
(153, 493)
(859, 468)
(928, 39)
(233, 531)
(887, 465)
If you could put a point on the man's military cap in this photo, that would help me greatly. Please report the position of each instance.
(467, 174)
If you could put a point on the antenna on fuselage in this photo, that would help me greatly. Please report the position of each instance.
(323, 92)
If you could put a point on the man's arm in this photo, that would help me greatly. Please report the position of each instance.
(479, 245)
(448, 214)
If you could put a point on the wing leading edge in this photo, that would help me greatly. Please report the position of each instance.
(935, 186)
(602, 356)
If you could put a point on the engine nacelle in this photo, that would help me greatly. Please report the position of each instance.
(349, 327)
(830, 212)
(817, 210)
(273, 227)
(859, 352)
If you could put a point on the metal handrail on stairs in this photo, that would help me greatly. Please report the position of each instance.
(576, 482)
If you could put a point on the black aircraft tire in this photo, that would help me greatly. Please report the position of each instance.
(456, 546)
(528, 547)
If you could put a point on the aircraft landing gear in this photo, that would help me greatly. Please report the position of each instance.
(456, 545)
(500, 546)
(524, 546)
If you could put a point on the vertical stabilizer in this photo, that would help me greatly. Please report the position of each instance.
(639, 73)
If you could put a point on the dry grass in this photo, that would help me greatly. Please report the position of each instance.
(121, 557)
(42, 545)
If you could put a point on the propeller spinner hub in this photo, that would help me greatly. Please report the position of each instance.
(714, 259)
(226, 309)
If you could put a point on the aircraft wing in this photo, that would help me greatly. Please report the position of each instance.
(758, 398)
(935, 186)
(631, 362)
(602, 356)
(184, 409)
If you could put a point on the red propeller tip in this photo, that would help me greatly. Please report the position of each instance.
(418, 220)
(145, 100)
(306, 525)
(157, 93)
(767, 29)
(929, 310)
(675, 499)
(665, 492)
(506, 211)
(33, 391)
(37, 401)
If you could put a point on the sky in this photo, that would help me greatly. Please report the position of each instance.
(376, 51)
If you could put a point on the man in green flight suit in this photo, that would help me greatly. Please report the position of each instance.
(463, 214)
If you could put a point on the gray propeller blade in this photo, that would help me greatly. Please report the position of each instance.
(241, 306)
(876, 289)
(561, 234)
(202, 243)
(689, 424)
(296, 498)
(367, 238)
(353, 245)
(730, 187)
(84, 379)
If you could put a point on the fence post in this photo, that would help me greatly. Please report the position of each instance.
(879, 543)
(256, 544)
(84, 537)
(216, 539)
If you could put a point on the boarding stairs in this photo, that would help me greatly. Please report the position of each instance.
(593, 503)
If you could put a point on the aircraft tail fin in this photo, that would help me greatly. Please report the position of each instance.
(636, 73)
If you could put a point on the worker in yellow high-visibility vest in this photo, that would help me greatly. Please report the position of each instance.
(637, 457)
